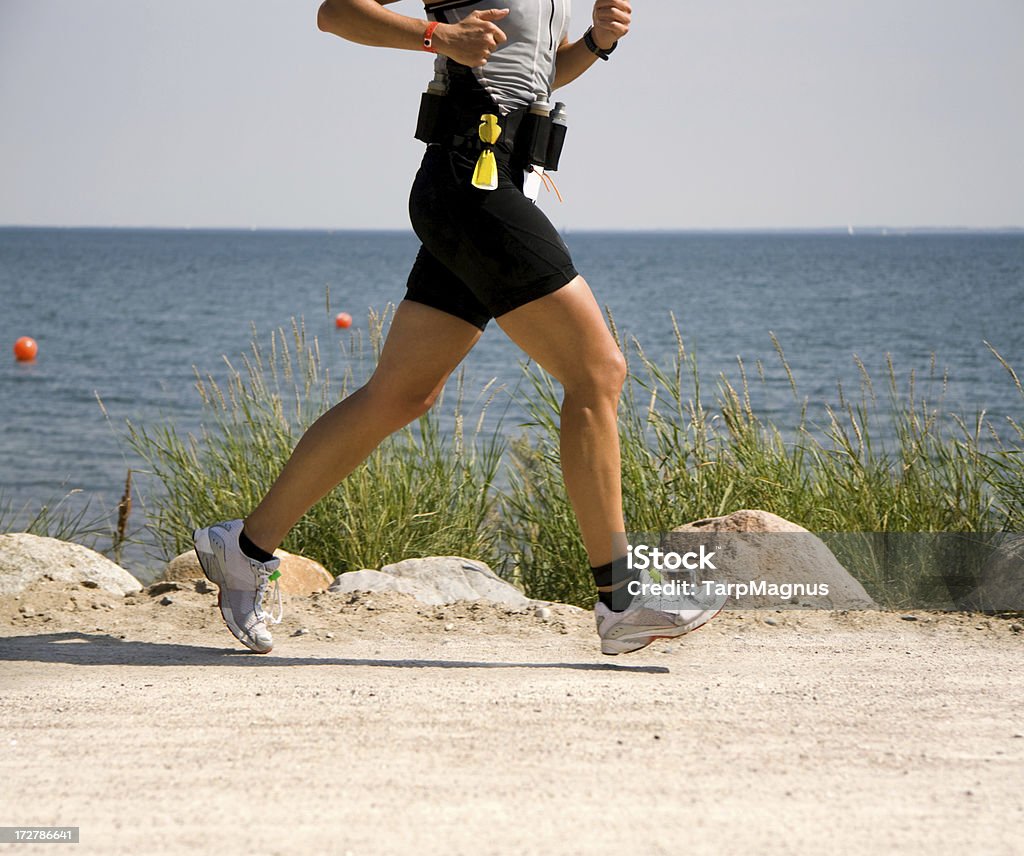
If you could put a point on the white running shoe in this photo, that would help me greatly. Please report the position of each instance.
(639, 626)
(242, 582)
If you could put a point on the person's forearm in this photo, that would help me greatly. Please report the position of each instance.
(368, 23)
(571, 61)
(469, 42)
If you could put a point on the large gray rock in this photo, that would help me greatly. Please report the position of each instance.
(369, 580)
(25, 559)
(435, 581)
(1001, 580)
(752, 545)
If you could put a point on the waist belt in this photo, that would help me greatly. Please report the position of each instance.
(527, 138)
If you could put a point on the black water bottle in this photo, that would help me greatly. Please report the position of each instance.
(430, 124)
(556, 137)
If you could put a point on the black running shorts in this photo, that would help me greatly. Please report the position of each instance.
(485, 252)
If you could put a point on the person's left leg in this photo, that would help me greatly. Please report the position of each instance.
(566, 334)
(509, 255)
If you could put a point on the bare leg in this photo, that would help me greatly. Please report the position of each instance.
(566, 334)
(423, 347)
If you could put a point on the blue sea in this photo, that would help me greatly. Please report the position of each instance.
(125, 315)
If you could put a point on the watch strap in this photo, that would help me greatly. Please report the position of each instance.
(592, 46)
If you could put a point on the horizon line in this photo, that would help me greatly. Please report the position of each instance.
(848, 229)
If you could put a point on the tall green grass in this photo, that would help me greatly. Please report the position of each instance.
(686, 454)
(422, 492)
(685, 457)
(1007, 460)
(60, 518)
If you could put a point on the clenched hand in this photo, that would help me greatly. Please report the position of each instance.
(472, 40)
(611, 21)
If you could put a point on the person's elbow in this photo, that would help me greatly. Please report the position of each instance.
(329, 18)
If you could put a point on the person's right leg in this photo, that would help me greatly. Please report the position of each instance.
(423, 347)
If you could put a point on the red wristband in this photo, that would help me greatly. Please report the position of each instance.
(428, 36)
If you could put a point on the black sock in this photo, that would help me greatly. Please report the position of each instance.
(619, 599)
(251, 550)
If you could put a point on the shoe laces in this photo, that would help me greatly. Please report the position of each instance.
(265, 576)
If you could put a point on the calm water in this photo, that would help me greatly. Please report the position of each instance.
(126, 314)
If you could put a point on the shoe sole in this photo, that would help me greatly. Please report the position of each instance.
(650, 639)
(235, 631)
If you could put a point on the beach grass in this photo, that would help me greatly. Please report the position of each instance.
(64, 517)
(686, 458)
(686, 454)
(423, 492)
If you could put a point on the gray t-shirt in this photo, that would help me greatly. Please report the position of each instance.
(522, 70)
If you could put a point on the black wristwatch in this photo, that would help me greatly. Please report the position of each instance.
(588, 40)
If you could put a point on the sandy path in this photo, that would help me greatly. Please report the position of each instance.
(507, 734)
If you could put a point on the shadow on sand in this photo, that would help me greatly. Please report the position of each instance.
(87, 649)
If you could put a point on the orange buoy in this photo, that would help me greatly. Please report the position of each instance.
(25, 349)
(342, 320)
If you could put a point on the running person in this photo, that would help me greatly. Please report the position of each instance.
(486, 253)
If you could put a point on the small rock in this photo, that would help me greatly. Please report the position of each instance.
(435, 581)
(28, 613)
(770, 621)
(449, 626)
(908, 617)
(299, 575)
(162, 588)
(1016, 628)
(302, 631)
(90, 584)
(166, 601)
(542, 612)
(329, 635)
(205, 587)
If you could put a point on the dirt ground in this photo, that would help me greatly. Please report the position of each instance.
(389, 727)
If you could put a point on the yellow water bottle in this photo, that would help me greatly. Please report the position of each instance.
(485, 175)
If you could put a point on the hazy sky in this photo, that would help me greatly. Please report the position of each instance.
(712, 113)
